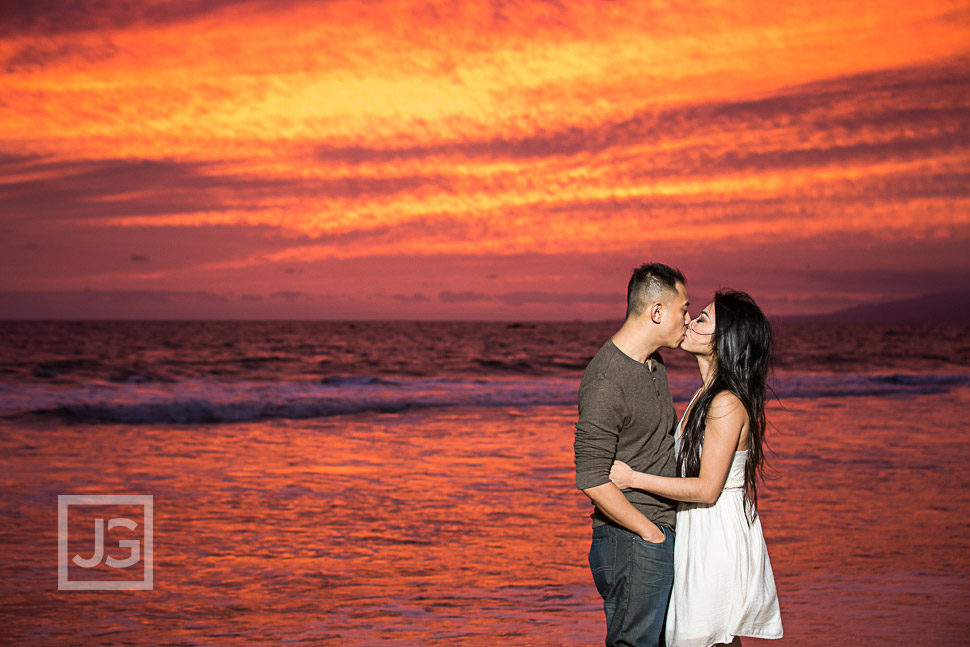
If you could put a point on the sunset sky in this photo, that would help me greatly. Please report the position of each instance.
(473, 160)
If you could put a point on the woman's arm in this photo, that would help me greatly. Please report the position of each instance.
(722, 432)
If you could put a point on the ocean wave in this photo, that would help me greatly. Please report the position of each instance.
(842, 385)
(357, 380)
(513, 366)
(212, 401)
(205, 401)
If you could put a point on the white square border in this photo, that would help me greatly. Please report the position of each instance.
(66, 500)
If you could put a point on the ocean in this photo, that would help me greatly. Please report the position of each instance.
(411, 483)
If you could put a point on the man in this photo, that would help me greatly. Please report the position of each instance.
(626, 413)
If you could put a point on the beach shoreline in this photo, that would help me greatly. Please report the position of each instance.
(463, 526)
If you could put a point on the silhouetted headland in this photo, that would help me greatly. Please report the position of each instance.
(937, 308)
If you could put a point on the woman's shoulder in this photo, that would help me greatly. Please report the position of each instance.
(726, 403)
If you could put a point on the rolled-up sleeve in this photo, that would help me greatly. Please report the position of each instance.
(601, 417)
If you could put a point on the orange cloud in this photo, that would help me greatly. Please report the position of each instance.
(352, 130)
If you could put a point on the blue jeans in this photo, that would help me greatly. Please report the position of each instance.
(635, 578)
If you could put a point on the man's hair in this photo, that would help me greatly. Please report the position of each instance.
(648, 284)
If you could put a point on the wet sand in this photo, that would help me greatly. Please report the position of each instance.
(463, 527)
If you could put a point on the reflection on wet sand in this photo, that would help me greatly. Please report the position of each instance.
(463, 527)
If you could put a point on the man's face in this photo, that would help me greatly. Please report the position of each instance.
(675, 317)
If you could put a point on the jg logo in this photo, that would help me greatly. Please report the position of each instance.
(136, 550)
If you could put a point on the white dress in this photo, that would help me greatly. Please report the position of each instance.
(723, 584)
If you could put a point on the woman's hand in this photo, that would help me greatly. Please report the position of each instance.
(622, 475)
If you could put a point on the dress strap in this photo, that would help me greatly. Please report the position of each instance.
(696, 393)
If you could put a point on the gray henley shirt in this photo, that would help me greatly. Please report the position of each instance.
(626, 413)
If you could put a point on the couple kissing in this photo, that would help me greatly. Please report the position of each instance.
(677, 550)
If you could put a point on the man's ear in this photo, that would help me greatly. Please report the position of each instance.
(655, 311)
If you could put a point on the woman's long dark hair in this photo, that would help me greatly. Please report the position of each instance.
(742, 361)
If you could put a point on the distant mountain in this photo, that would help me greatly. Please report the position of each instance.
(940, 307)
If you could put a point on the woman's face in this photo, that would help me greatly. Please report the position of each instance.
(699, 339)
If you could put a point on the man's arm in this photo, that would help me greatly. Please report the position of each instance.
(601, 417)
(614, 504)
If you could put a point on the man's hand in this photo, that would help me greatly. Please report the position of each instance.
(654, 537)
(615, 505)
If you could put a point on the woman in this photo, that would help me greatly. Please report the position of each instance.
(723, 584)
